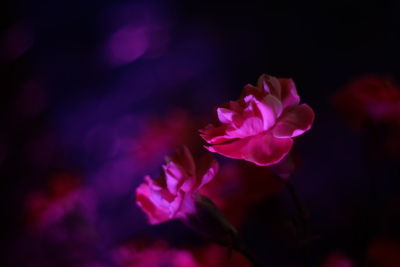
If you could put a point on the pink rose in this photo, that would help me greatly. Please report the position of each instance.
(260, 126)
(173, 196)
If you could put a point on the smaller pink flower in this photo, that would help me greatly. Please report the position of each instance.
(63, 195)
(173, 196)
(369, 99)
(260, 126)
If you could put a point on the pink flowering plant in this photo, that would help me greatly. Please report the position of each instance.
(260, 128)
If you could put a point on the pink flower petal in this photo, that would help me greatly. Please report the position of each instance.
(232, 149)
(270, 109)
(294, 121)
(251, 125)
(263, 149)
(252, 90)
(174, 176)
(258, 116)
(144, 199)
(225, 115)
(207, 168)
(289, 96)
(215, 135)
(270, 84)
(184, 159)
(180, 171)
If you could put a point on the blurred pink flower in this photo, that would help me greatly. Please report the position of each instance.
(154, 255)
(157, 254)
(174, 194)
(337, 259)
(384, 252)
(64, 194)
(369, 99)
(260, 126)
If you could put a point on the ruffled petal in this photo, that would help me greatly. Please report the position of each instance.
(174, 176)
(180, 171)
(251, 125)
(294, 121)
(263, 149)
(289, 96)
(231, 149)
(155, 211)
(225, 115)
(207, 168)
(252, 90)
(184, 159)
(215, 135)
(270, 85)
(270, 109)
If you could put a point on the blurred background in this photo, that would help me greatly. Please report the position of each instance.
(94, 95)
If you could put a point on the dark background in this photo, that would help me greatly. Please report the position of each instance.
(208, 52)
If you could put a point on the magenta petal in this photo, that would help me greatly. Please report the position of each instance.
(231, 149)
(252, 90)
(180, 171)
(263, 149)
(214, 135)
(225, 115)
(205, 174)
(270, 108)
(294, 121)
(174, 177)
(289, 96)
(269, 85)
(145, 200)
(184, 159)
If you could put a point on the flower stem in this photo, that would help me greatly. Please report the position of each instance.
(297, 202)
(239, 246)
(303, 223)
